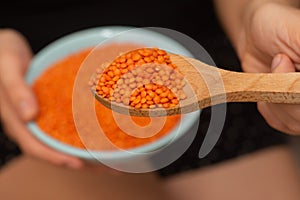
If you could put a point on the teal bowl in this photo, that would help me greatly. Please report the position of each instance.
(138, 159)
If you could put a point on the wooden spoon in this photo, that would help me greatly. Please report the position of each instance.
(209, 85)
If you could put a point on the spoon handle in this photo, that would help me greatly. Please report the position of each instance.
(267, 87)
(213, 85)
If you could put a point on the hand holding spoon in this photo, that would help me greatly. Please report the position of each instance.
(208, 85)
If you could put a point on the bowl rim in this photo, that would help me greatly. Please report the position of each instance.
(107, 32)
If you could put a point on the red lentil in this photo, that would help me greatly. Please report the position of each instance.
(158, 81)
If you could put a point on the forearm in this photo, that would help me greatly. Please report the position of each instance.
(234, 14)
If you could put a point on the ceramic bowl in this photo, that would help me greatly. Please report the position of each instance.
(74, 42)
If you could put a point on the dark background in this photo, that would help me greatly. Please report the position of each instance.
(42, 22)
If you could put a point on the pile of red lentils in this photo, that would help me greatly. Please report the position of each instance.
(143, 78)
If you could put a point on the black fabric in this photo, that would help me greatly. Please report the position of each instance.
(42, 22)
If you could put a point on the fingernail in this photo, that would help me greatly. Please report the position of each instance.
(26, 110)
(276, 61)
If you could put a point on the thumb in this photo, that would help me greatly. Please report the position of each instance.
(15, 87)
(281, 63)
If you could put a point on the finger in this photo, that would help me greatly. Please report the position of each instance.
(19, 93)
(13, 42)
(39, 150)
(251, 63)
(280, 117)
(18, 131)
(270, 117)
(282, 63)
